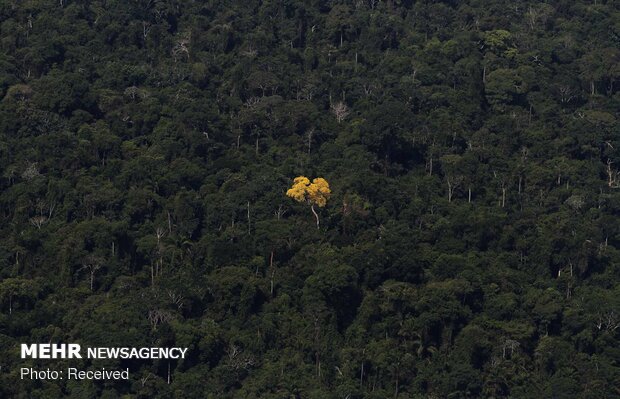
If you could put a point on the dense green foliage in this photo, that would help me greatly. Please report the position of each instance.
(470, 247)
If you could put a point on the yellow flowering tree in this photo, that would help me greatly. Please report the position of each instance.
(315, 193)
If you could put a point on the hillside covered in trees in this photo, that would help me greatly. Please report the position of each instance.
(469, 247)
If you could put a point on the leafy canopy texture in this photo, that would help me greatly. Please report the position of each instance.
(315, 193)
(471, 248)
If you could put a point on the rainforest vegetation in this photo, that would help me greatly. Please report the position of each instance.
(466, 156)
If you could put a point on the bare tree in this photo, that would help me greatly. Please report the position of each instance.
(340, 110)
(309, 135)
(176, 299)
(158, 316)
(181, 47)
(160, 233)
(453, 167)
(31, 172)
(509, 344)
(566, 94)
(131, 92)
(237, 360)
(575, 202)
(45, 208)
(369, 88)
(453, 183)
(92, 264)
(144, 379)
(280, 212)
(504, 193)
(250, 51)
(503, 184)
(612, 175)
(146, 28)
(252, 102)
(537, 16)
(608, 321)
(38, 221)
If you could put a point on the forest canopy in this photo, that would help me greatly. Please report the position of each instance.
(469, 246)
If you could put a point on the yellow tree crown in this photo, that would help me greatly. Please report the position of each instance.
(317, 192)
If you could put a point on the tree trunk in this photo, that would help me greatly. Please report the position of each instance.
(316, 215)
(273, 272)
(430, 166)
(362, 375)
(397, 376)
(249, 226)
